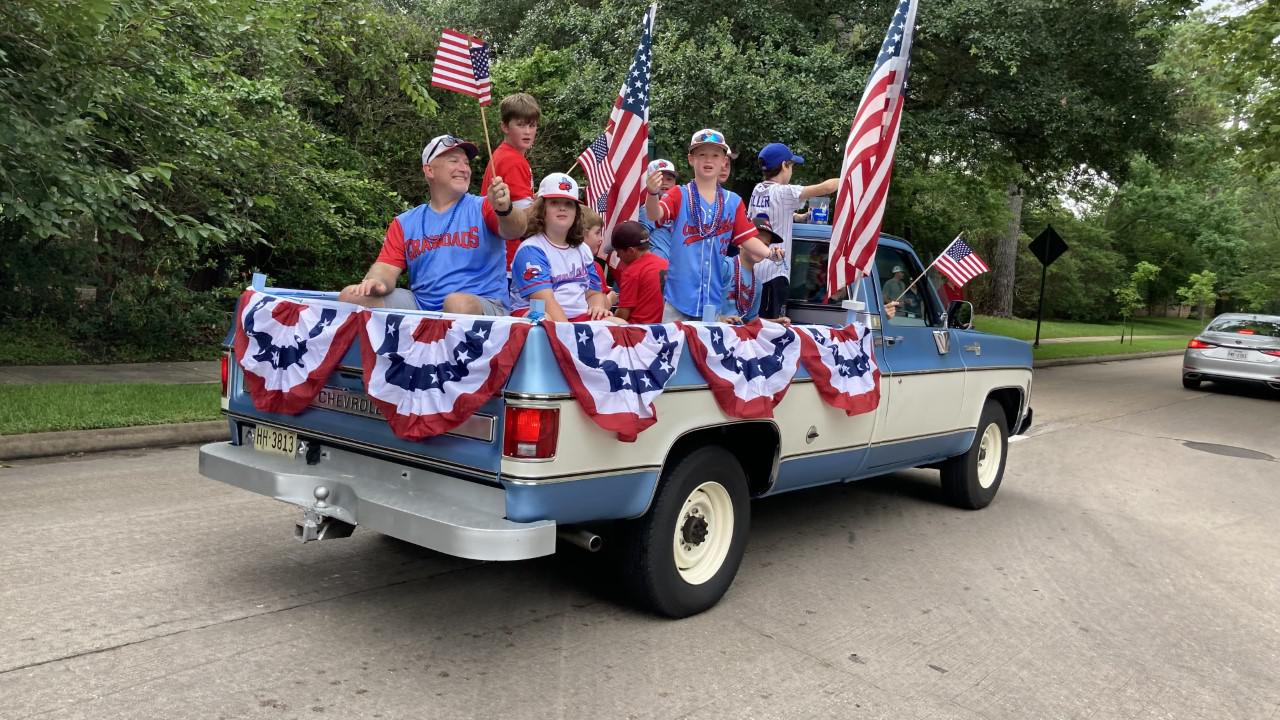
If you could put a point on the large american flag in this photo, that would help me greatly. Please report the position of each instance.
(599, 175)
(462, 65)
(868, 156)
(960, 263)
(627, 136)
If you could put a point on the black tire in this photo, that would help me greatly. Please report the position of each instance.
(649, 570)
(1190, 383)
(961, 479)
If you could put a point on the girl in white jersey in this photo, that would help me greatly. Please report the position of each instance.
(553, 264)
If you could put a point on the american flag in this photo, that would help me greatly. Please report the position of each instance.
(960, 263)
(462, 65)
(868, 156)
(627, 136)
(599, 175)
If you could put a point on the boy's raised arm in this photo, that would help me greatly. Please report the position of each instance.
(826, 187)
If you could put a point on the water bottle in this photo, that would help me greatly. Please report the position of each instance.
(818, 210)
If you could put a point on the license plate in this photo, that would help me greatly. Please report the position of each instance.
(274, 440)
(1237, 354)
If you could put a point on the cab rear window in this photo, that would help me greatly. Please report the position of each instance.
(1246, 326)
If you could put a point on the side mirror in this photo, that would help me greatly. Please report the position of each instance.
(960, 315)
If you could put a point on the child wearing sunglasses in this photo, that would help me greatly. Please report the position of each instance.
(705, 220)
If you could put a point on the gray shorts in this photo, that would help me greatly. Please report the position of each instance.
(402, 299)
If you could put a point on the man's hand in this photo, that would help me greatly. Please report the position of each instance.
(891, 308)
(370, 287)
(499, 195)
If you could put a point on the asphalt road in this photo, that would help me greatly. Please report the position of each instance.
(1119, 574)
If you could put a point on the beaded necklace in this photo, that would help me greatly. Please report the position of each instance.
(742, 295)
(700, 223)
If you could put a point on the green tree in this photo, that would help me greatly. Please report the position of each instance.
(1200, 290)
(1132, 296)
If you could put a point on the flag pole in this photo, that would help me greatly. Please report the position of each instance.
(484, 123)
(926, 270)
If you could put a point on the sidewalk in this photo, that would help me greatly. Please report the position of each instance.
(1105, 338)
(162, 373)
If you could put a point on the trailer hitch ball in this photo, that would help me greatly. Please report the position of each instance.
(321, 494)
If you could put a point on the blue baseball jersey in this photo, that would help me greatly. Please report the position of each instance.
(458, 250)
(659, 236)
(567, 271)
(696, 276)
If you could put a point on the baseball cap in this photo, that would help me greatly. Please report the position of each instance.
(774, 154)
(707, 136)
(559, 185)
(765, 228)
(660, 165)
(897, 268)
(629, 234)
(441, 144)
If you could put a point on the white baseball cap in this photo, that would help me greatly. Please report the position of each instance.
(660, 165)
(559, 185)
(708, 136)
(442, 144)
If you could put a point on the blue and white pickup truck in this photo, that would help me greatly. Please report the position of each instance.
(676, 502)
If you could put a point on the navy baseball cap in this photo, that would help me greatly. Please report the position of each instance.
(774, 154)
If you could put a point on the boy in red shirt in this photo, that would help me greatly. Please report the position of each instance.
(520, 115)
(643, 275)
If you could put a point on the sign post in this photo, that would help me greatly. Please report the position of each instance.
(1047, 247)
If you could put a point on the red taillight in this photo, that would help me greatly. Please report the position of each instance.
(530, 432)
(226, 369)
(1272, 353)
(1246, 331)
(1198, 344)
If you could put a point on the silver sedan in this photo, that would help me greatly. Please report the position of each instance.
(1235, 346)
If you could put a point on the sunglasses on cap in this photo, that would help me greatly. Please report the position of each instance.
(448, 142)
(708, 137)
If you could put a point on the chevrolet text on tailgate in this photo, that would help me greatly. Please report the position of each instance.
(492, 438)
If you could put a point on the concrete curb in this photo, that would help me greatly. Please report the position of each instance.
(1058, 362)
(31, 445)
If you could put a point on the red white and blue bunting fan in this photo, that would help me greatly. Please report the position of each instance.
(842, 365)
(429, 374)
(748, 367)
(288, 347)
(617, 371)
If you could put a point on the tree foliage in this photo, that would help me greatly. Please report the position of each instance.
(153, 153)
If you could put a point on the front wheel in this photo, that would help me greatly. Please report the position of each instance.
(683, 554)
(971, 480)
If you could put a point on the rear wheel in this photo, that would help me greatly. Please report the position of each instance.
(971, 480)
(1190, 383)
(681, 557)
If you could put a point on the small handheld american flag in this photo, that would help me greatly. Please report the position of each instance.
(462, 65)
(960, 263)
(599, 174)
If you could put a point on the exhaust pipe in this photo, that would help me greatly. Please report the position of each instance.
(584, 539)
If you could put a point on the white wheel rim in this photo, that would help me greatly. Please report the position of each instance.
(989, 453)
(708, 514)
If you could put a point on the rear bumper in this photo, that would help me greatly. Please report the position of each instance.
(1196, 366)
(446, 514)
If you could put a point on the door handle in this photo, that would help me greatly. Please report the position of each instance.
(888, 340)
(974, 348)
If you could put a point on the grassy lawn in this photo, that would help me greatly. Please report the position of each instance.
(1110, 347)
(41, 408)
(1026, 329)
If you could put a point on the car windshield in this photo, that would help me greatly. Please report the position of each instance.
(1247, 326)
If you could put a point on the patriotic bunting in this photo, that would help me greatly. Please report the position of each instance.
(429, 374)
(617, 371)
(748, 367)
(842, 365)
(288, 347)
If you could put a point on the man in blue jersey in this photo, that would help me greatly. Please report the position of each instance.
(453, 245)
